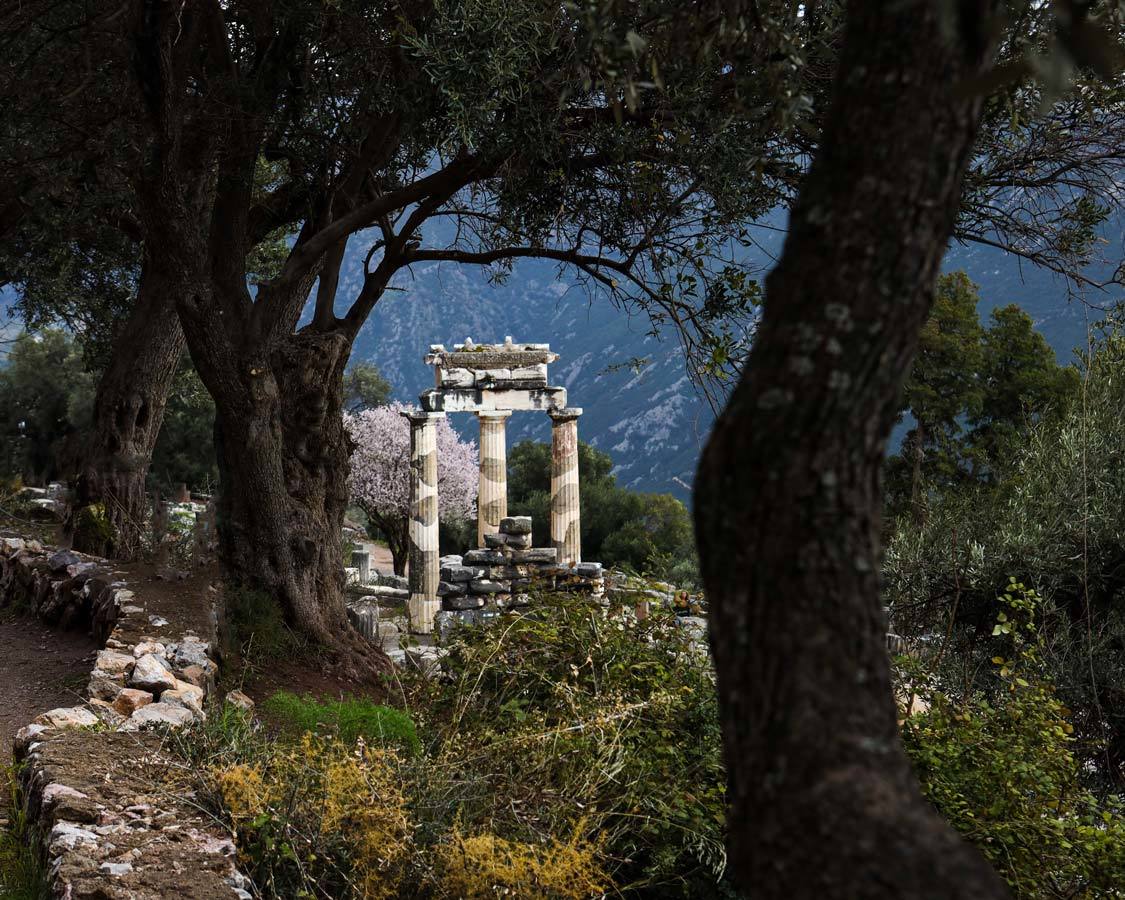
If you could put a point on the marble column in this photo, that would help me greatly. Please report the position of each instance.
(565, 522)
(424, 559)
(492, 495)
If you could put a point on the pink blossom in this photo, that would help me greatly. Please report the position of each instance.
(380, 466)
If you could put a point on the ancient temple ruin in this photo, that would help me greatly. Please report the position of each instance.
(493, 381)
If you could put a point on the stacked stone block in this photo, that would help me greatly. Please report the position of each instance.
(508, 571)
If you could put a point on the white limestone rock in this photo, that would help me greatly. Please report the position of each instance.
(66, 836)
(162, 714)
(27, 736)
(55, 792)
(130, 700)
(148, 646)
(67, 717)
(112, 662)
(151, 673)
(190, 651)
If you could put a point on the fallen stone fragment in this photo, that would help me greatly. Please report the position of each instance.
(483, 586)
(54, 792)
(58, 562)
(470, 601)
(148, 646)
(535, 555)
(199, 677)
(191, 651)
(115, 869)
(106, 713)
(25, 737)
(457, 573)
(484, 558)
(515, 525)
(67, 836)
(239, 700)
(104, 688)
(187, 695)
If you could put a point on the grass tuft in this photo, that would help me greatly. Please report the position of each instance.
(348, 719)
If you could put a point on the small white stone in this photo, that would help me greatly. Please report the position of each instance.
(116, 869)
(239, 700)
(54, 792)
(146, 647)
(26, 736)
(191, 700)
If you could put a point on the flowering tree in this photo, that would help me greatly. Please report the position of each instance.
(380, 474)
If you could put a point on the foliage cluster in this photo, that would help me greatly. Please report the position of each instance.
(563, 755)
(47, 389)
(649, 534)
(46, 400)
(1055, 516)
(998, 762)
(576, 751)
(252, 629)
(972, 395)
(21, 873)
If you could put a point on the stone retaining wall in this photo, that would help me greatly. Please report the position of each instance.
(110, 807)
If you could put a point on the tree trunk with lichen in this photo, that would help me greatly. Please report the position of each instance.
(108, 507)
(823, 801)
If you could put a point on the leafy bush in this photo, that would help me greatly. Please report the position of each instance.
(565, 754)
(1056, 517)
(21, 874)
(1000, 766)
(318, 817)
(484, 866)
(575, 715)
(349, 720)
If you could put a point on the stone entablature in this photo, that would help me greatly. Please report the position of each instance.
(491, 377)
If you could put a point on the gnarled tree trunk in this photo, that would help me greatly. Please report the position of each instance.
(823, 802)
(108, 508)
(283, 464)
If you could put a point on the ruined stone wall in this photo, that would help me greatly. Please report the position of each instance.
(104, 800)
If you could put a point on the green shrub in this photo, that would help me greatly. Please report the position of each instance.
(21, 873)
(348, 719)
(577, 714)
(1000, 766)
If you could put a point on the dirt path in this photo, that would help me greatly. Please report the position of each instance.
(40, 669)
(381, 559)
